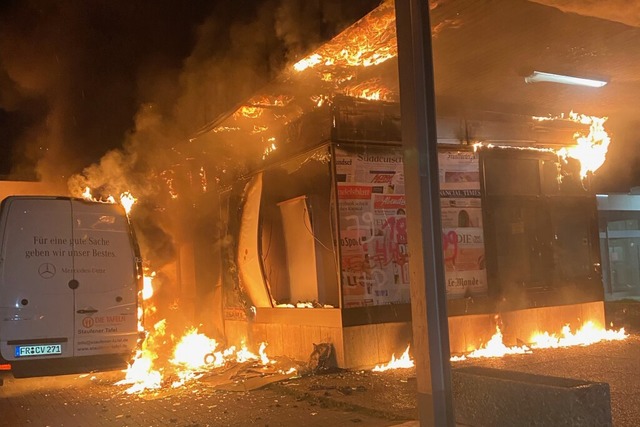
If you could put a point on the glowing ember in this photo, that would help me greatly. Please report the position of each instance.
(270, 101)
(259, 129)
(203, 179)
(319, 100)
(372, 89)
(225, 129)
(249, 112)
(403, 362)
(370, 94)
(270, 149)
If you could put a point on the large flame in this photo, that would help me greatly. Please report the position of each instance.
(147, 287)
(192, 349)
(191, 356)
(372, 89)
(403, 362)
(589, 333)
(493, 348)
(371, 42)
(141, 374)
(590, 149)
(127, 201)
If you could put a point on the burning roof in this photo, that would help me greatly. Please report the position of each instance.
(482, 52)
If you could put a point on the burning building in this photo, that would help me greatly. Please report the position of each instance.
(305, 236)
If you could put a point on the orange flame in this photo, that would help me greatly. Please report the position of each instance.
(591, 149)
(147, 286)
(190, 352)
(372, 89)
(307, 62)
(141, 375)
(270, 148)
(193, 355)
(403, 362)
(249, 112)
(494, 348)
(270, 101)
(87, 194)
(126, 199)
(371, 41)
(588, 334)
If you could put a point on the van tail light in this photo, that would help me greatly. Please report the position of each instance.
(5, 367)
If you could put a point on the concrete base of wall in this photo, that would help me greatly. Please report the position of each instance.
(292, 332)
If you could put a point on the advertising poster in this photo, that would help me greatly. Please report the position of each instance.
(373, 237)
(373, 233)
(462, 232)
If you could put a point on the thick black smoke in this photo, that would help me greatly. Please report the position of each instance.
(105, 94)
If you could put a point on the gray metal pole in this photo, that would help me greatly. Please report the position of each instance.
(428, 297)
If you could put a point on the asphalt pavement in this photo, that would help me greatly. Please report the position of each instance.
(247, 395)
(341, 398)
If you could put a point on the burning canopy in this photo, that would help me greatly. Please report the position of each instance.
(483, 50)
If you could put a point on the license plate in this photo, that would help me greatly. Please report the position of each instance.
(38, 350)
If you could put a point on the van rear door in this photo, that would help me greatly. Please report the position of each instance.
(37, 308)
(105, 283)
(69, 280)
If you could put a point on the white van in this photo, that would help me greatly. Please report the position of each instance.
(69, 279)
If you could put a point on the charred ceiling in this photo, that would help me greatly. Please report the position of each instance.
(483, 50)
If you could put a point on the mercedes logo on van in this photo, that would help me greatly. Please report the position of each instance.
(47, 270)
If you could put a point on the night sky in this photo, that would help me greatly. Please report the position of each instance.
(80, 78)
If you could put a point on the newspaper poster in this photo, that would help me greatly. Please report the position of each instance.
(373, 237)
(462, 232)
(381, 167)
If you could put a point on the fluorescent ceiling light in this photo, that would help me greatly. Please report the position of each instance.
(539, 76)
